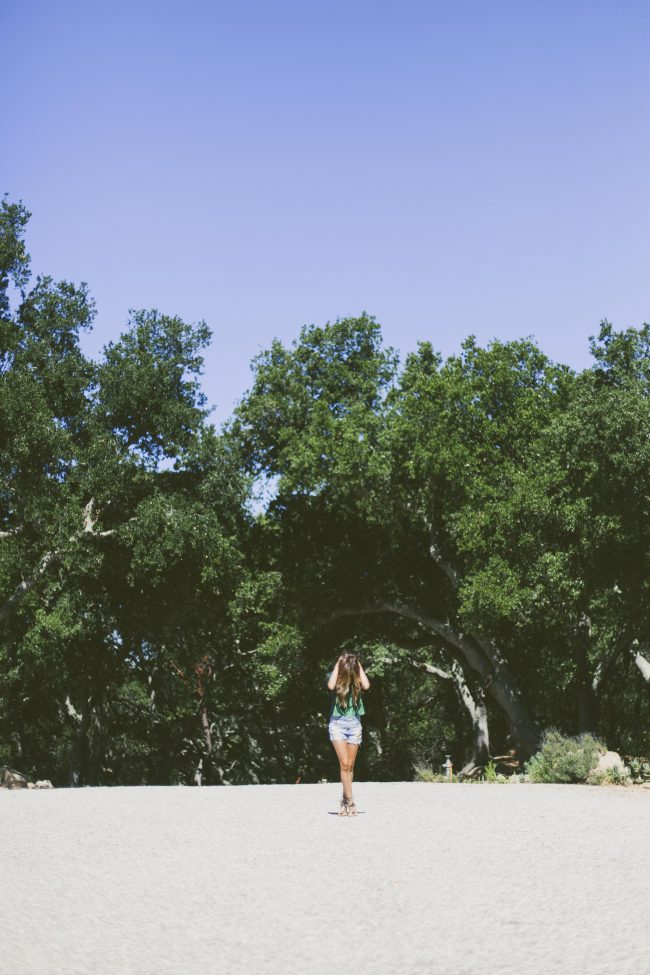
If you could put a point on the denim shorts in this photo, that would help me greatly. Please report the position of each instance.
(345, 729)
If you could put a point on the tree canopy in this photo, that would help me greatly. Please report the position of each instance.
(172, 595)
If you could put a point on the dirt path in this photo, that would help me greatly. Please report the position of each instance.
(460, 880)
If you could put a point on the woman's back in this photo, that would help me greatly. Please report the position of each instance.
(351, 711)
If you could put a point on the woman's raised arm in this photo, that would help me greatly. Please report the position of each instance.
(334, 676)
(365, 683)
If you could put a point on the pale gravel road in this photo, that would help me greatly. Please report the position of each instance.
(460, 880)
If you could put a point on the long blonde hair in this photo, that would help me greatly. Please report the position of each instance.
(348, 679)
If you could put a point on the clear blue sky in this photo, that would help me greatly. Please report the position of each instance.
(451, 168)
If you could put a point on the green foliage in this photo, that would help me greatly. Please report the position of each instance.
(423, 773)
(171, 596)
(565, 759)
(617, 775)
(14, 260)
(105, 558)
(148, 386)
(312, 418)
(639, 769)
(490, 772)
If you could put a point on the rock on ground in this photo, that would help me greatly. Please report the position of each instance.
(11, 779)
(449, 879)
(609, 760)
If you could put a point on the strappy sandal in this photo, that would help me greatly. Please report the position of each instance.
(343, 808)
(352, 808)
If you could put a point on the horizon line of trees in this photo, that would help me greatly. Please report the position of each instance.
(171, 595)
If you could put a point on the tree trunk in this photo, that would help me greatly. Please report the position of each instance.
(500, 684)
(642, 662)
(96, 749)
(480, 735)
(18, 744)
(152, 690)
(78, 754)
(484, 658)
(207, 738)
(475, 707)
(586, 695)
(493, 671)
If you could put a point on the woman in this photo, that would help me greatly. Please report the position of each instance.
(346, 682)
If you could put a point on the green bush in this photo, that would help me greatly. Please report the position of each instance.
(424, 774)
(640, 770)
(597, 778)
(618, 775)
(564, 759)
(490, 772)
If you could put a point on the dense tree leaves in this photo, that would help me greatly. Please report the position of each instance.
(117, 572)
(148, 387)
(172, 596)
(460, 518)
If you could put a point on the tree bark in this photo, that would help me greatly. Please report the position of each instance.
(496, 676)
(641, 662)
(46, 561)
(25, 585)
(207, 738)
(96, 744)
(502, 688)
(77, 756)
(481, 755)
(586, 697)
(475, 707)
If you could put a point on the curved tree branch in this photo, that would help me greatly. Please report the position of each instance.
(475, 707)
(21, 590)
(435, 551)
(642, 662)
(481, 655)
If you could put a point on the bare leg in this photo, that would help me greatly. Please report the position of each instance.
(352, 755)
(341, 749)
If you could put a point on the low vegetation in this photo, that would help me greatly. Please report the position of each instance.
(560, 759)
(565, 759)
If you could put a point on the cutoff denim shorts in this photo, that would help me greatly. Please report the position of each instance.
(346, 729)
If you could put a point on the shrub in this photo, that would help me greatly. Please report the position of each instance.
(617, 775)
(564, 759)
(490, 772)
(597, 778)
(424, 774)
(640, 770)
